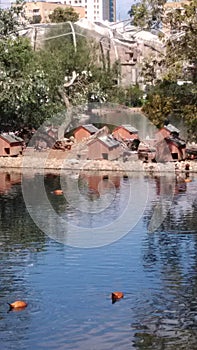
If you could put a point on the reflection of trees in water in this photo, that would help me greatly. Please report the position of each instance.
(181, 216)
(20, 242)
(16, 226)
(167, 319)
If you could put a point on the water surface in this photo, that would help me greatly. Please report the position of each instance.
(68, 288)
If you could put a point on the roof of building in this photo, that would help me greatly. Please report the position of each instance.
(130, 128)
(89, 127)
(11, 137)
(171, 128)
(109, 141)
(176, 141)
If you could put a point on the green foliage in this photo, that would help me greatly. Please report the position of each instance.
(61, 15)
(94, 82)
(15, 55)
(24, 90)
(139, 14)
(23, 100)
(130, 96)
(147, 14)
(182, 44)
(8, 21)
(134, 96)
(169, 100)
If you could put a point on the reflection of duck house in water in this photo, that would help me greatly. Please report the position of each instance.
(7, 180)
(105, 147)
(10, 145)
(169, 186)
(169, 146)
(84, 131)
(98, 183)
(125, 132)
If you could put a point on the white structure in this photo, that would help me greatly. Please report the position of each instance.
(94, 9)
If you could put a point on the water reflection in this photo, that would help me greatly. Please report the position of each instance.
(7, 180)
(68, 290)
(98, 183)
(170, 320)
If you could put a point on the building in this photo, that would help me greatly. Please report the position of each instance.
(167, 131)
(169, 145)
(105, 147)
(172, 5)
(38, 12)
(125, 132)
(109, 10)
(96, 10)
(10, 145)
(84, 131)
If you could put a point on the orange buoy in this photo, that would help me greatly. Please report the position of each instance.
(188, 180)
(116, 296)
(58, 192)
(18, 304)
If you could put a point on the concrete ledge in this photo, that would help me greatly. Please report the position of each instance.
(41, 161)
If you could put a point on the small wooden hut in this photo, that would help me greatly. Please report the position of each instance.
(105, 147)
(84, 131)
(10, 145)
(125, 132)
(169, 145)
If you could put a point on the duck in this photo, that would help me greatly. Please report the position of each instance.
(116, 296)
(18, 304)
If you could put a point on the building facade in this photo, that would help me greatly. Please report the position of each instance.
(42, 9)
(96, 10)
(109, 10)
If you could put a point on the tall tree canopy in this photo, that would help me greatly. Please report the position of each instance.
(178, 64)
(147, 13)
(168, 100)
(181, 53)
(37, 84)
(61, 15)
(24, 88)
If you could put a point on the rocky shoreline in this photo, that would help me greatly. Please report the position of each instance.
(43, 160)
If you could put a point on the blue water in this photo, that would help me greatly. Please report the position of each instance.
(68, 288)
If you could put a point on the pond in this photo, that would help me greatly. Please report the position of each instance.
(136, 234)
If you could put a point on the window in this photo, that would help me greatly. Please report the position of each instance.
(175, 156)
(105, 155)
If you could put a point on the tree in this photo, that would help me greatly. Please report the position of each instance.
(147, 14)
(61, 15)
(9, 23)
(78, 77)
(181, 45)
(24, 89)
(168, 100)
